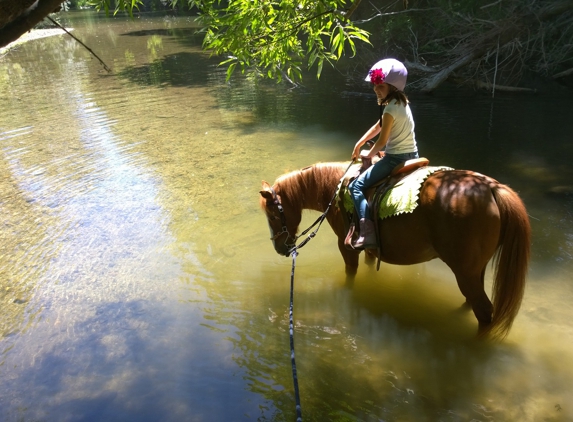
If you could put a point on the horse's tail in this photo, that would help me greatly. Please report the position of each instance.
(511, 260)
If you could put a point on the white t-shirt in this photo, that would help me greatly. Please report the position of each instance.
(402, 138)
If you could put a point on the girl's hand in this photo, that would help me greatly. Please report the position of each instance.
(356, 152)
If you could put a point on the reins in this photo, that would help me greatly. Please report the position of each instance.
(294, 252)
(318, 221)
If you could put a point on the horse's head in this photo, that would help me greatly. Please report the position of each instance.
(282, 218)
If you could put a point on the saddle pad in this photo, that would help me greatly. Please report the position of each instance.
(402, 197)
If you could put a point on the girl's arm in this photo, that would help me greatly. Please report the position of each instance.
(371, 133)
(387, 122)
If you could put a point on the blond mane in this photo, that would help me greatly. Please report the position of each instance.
(317, 179)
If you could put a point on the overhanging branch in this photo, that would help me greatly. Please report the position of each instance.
(24, 23)
(105, 66)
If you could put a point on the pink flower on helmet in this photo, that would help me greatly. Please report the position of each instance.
(377, 76)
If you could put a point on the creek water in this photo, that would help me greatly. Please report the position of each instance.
(137, 280)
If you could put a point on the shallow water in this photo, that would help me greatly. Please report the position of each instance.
(137, 280)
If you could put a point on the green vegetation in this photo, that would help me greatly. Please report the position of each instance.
(271, 38)
(492, 44)
(487, 44)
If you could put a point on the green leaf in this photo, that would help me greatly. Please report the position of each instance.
(341, 42)
(230, 70)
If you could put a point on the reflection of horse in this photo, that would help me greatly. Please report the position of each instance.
(463, 218)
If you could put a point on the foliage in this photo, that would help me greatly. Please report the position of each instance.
(271, 38)
(117, 5)
(469, 41)
(275, 37)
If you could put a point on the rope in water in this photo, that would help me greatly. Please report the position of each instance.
(294, 253)
(291, 331)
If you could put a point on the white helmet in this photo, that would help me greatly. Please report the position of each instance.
(390, 71)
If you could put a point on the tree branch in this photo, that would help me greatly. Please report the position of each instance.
(381, 14)
(354, 6)
(562, 74)
(105, 66)
(22, 24)
(491, 4)
(444, 74)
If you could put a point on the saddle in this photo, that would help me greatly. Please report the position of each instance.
(374, 195)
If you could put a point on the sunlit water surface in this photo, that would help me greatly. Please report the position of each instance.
(137, 281)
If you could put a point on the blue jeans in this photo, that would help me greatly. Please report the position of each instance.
(372, 176)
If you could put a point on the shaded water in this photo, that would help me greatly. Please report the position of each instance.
(137, 281)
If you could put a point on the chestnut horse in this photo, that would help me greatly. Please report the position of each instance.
(463, 217)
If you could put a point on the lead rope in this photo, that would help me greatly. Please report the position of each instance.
(294, 253)
(291, 331)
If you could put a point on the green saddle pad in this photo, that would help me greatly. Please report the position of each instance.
(402, 197)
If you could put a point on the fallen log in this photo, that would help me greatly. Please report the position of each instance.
(489, 86)
(562, 74)
(433, 82)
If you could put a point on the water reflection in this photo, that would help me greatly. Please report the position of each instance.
(179, 69)
(139, 281)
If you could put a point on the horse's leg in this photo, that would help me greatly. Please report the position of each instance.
(350, 260)
(472, 287)
(467, 304)
(369, 258)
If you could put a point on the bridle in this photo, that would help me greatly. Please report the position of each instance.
(284, 229)
(292, 247)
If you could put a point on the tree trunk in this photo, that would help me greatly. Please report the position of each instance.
(25, 22)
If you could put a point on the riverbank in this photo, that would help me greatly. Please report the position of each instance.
(33, 35)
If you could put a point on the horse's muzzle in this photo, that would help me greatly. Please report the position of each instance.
(284, 251)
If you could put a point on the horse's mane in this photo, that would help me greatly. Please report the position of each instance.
(319, 178)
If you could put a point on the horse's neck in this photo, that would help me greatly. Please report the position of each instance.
(316, 189)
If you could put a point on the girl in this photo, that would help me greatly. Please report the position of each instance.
(396, 132)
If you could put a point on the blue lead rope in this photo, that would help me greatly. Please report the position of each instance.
(291, 331)
(294, 253)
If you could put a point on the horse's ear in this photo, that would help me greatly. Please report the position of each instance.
(266, 192)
